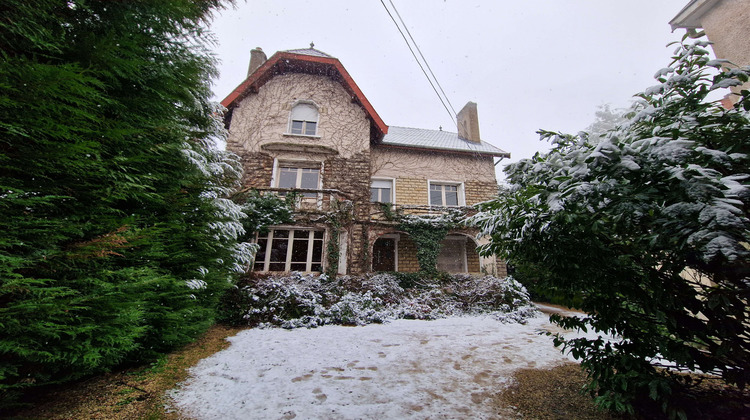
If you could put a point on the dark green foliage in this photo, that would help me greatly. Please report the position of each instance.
(104, 213)
(647, 226)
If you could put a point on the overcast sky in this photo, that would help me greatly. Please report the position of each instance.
(528, 64)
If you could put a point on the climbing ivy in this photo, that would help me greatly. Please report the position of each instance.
(428, 232)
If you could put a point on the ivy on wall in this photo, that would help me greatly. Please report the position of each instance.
(428, 233)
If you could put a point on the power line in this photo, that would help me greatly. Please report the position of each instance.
(421, 55)
(417, 60)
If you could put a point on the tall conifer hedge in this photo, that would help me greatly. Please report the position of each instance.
(115, 243)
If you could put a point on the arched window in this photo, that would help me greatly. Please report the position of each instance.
(304, 119)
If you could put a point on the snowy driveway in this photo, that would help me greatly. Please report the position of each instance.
(442, 369)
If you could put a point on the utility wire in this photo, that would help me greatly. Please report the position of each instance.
(418, 62)
(421, 55)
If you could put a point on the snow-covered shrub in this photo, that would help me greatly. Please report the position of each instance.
(357, 309)
(295, 300)
(384, 286)
(278, 299)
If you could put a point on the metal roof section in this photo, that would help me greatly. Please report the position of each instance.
(311, 52)
(419, 138)
(691, 15)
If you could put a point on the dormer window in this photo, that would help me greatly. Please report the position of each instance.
(304, 119)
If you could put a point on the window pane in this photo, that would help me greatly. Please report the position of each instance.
(317, 251)
(318, 234)
(309, 178)
(297, 127)
(436, 187)
(298, 267)
(385, 195)
(279, 250)
(299, 250)
(277, 267)
(374, 195)
(261, 254)
(288, 178)
(259, 266)
(310, 128)
(316, 267)
(451, 198)
(436, 197)
(280, 233)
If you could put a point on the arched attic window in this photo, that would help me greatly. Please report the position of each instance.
(304, 119)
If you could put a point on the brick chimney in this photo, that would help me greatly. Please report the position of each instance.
(257, 58)
(468, 123)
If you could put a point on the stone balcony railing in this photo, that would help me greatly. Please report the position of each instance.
(310, 200)
(385, 212)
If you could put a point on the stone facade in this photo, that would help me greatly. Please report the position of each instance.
(726, 24)
(345, 152)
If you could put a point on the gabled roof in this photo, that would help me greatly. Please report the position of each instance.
(307, 60)
(418, 138)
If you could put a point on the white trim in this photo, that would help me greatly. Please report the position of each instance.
(460, 191)
(343, 251)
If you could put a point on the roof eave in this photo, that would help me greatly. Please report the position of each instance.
(690, 16)
(500, 154)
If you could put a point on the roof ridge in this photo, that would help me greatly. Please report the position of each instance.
(303, 52)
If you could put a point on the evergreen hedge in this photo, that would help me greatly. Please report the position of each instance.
(115, 242)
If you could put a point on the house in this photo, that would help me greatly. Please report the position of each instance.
(300, 123)
(726, 23)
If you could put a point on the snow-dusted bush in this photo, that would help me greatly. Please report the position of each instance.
(295, 300)
(357, 309)
(646, 229)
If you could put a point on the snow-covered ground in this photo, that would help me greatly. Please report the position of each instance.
(442, 369)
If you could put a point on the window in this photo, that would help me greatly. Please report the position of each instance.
(381, 191)
(304, 119)
(293, 175)
(452, 257)
(290, 250)
(444, 194)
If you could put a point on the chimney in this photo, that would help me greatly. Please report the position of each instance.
(257, 58)
(468, 123)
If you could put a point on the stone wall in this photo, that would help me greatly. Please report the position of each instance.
(727, 26)
(412, 191)
(413, 169)
(262, 119)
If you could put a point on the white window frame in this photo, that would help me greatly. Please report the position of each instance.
(316, 121)
(296, 163)
(393, 188)
(290, 240)
(459, 192)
